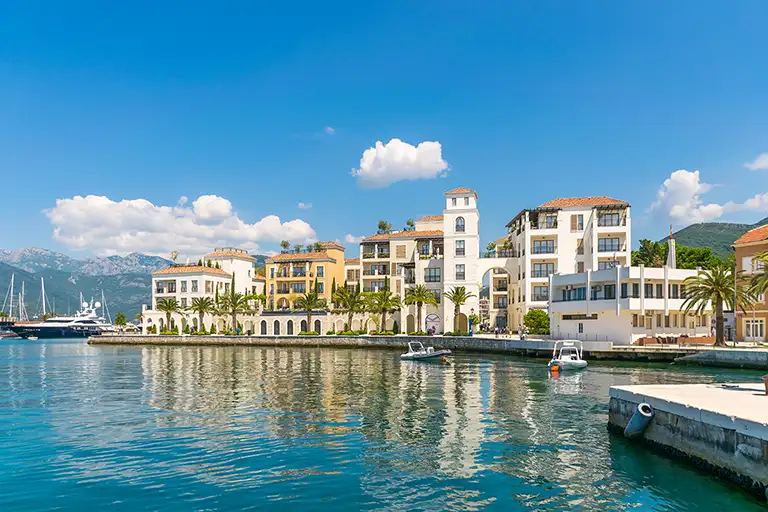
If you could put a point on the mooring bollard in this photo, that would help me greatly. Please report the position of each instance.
(639, 422)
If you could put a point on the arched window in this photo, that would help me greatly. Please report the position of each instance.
(318, 327)
(289, 327)
(263, 327)
(459, 224)
(276, 328)
(303, 326)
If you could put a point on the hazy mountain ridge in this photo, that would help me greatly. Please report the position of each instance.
(34, 259)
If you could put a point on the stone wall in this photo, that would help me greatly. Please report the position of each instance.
(729, 358)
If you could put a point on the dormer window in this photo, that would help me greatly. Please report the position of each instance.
(459, 224)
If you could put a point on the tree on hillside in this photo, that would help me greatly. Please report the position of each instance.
(384, 227)
(419, 295)
(650, 254)
(654, 254)
(716, 286)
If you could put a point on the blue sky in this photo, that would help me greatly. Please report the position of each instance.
(528, 101)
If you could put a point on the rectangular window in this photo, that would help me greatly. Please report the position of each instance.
(501, 303)
(299, 287)
(400, 251)
(541, 293)
(648, 290)
(543, 247)
(459, 247)
(581, 328)
(437, 295)
(607, 265)
(624, 290)
(209, 287)
(453, 201)
(460, 275)
(580, 222)
(636, 290)
(658, 319)
(659, 291)
(321, 287)
(226, 287)
(580, 247)
(183, 287)
(272, 289)
(171, 287)
(543, 269)
(466, 201)
(609, 291)
(580, 267)
(649, 322)
(432, 275)
(634, 320)
(272, 273)
(608, 219)
(682, 291)
(183, 302)
(608, 244)
(320, 271)
(194, 286)
(666, 321)
(674, 291)
(674, 320)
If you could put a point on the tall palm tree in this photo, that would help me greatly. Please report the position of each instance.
(759, 281)
(459, 296)
(234, 303)
(201, 306)
(419, 295)
(317, 247)
(168, 306)
(381, 303)
(715, 286)
(350, 302)
(309, 302)
(285, 244)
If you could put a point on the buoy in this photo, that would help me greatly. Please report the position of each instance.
(554, 368)
(444, 359)
(639, 421)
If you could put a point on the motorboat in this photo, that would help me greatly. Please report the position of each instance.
(567, 355)
(84, 323)
(417, 351)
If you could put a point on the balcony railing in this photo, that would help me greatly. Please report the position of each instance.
(299, 273)
(500, 305)
(540, 298)
(283, 291)
(612, 248)
(608, 222)
(541, 273)
(382, 255)
(501, 288)
(375, 272)
(433, 256)
(544, 225)
(373, 289)
(544, 250)
(368, 255)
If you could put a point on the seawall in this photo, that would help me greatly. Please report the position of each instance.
(720, 428)
(728, 358)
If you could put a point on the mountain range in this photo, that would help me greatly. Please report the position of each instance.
(125, 280)
(718, 236)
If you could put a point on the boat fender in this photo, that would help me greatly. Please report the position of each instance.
(639, 421)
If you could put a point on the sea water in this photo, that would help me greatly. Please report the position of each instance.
(222, 428)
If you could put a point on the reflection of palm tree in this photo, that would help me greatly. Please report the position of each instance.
(419, 295)
(715, 286)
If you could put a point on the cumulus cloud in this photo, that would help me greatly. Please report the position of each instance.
(758, 164)
(106, 227)
(680, 200)
(384, 164)
(329, 130)
(351, 239)
(304, 206)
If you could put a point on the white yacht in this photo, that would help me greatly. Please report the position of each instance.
(84, 323)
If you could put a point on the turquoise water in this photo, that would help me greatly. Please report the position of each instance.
(222, 428)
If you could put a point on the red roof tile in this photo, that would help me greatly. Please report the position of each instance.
(351, 261)
(431, 218)
(300, 256)
(462, 190)
(565, 202)
(190, 269)
(427, 233)
(753, 235)
(332, 245)
(378, 237)
(224, 253)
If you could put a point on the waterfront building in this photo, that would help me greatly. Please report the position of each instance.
(751, 323)
(291, 274)
(562, 236)
(623, 304)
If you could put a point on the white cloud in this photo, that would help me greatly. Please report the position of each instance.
(304, 206)
(384, 164)
(758, 164)
(679, 197)
(106, 227)
(329, 130)
(351, 239)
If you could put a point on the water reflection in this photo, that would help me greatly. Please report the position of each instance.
(239, 427)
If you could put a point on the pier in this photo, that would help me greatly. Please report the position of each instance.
(728, 358)
(722, 428)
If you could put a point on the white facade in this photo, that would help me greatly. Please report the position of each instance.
(623, 304)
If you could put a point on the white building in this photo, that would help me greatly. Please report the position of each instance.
(623, 304)
(563, 236)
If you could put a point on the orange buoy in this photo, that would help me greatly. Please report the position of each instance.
(554, 368)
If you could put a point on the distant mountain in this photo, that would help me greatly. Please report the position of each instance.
(718, 236)
(33, 259)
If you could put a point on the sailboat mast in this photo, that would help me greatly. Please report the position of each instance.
(10, 313)
(42, 291)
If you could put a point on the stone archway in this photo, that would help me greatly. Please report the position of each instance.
(194, 324)
(410, 322)
(460, 323)
(289, 328)
(340, 325)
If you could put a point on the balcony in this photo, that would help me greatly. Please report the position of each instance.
(544, 225)
(283, 291)
(540, 298)
(375, 272)
(611, 221)
(544, 250)
(541, 273)
(299, 273)
(611, 248)
(382, 255)
(501, 288)
(369, 255)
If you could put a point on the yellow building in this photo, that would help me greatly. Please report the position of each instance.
(290, 275)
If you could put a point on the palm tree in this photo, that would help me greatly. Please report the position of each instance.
(410, 225)
(350, 302)
(285, 244)
(715, 286)
(459, 296)
(419, 295)
(233, 303)
(308, 302)
(201, 306)
(168, 306)
(381, 303)
(759, 282)
(317, 247)
(297, 248)
(384, 227)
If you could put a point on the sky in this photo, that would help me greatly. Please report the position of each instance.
(160, 126)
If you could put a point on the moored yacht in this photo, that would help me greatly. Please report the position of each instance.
(85, 322)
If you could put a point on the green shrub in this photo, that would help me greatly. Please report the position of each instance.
(186, 329)
(456, 333)
(213, 328)
(418, 333)
(537, 321)
(308, 333)
(396, 328)
(349, 333)
(383, 333)
(331, 332)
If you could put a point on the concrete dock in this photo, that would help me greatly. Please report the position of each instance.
(722, 428)
(728, 358)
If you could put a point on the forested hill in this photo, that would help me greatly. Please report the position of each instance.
(718, 236)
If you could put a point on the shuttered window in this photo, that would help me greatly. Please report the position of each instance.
(400, 251)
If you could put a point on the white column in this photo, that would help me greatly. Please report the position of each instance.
(642, 292)
(589, 290)
(666, 290)
(617, 268)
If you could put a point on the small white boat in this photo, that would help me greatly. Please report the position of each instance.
(33, 338)
(416, 351)
(567, 355)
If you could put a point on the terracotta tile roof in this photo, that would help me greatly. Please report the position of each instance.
(378, 237)
(426, 233)
(501, 240)
(332, 245)
(257, 277)
(230, 254)
(753, 235)
(565, 202)
(462, 190)
(301, 256)
(431, 218)
(351, 261)
(190, 269)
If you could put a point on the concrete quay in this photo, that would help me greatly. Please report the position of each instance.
(728, 358)
(720, 428)
(593, 350)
